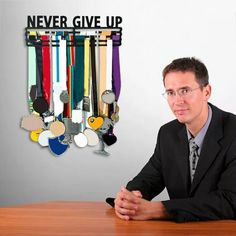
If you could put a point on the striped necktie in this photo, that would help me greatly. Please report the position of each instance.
(193, 157)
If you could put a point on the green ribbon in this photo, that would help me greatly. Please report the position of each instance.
(78, 79)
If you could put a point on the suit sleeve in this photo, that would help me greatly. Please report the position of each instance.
(150, 179)
(215, 205)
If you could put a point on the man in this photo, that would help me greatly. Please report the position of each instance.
(194, 158)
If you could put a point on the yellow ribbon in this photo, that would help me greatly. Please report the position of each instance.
(103, 76)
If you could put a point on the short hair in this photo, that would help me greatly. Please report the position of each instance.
(188, 64)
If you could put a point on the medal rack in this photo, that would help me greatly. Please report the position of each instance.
(34, 40)
(96, 125)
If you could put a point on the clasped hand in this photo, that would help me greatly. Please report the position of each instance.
(130, 205)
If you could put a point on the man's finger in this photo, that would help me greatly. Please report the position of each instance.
(126, 205)
(124, 211)
(137, 193)
(123, 217)
(128, 196)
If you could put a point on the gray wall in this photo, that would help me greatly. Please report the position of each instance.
(154, 33)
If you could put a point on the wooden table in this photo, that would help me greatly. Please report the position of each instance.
(95, 218)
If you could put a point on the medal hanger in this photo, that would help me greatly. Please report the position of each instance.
(32, 40)
(54, 95)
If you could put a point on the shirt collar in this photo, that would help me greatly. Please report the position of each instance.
(200, 136)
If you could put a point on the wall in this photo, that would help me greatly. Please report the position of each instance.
(154, 33)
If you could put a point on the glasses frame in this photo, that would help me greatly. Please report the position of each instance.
(188, 92)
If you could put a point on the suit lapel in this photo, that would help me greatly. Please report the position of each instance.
(210, 148)
(182, 155)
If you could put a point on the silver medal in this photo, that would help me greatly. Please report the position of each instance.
(71, 128)
(108, 97)
(106, 125)
(64, 97)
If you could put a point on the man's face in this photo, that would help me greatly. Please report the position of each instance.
(188, 107)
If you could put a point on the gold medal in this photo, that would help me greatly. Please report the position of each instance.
(95, 122)
(57, 128)
(34, 135)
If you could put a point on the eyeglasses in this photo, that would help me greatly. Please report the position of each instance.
(182, 92)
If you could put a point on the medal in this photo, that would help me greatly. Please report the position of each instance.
(109, 139)
(32, 122)
(95, 122)
(92, 137)
(108, 97)
(115, 115)
(57, 128)
(44, 137)
(70, 127)
(40, 105)
(80, 140)
(106, 125)
(64, 97)
(56, 146)
(34, 135)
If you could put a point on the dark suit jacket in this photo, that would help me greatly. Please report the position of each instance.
(212, 194)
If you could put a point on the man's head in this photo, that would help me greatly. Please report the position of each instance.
(187, 91)
(188, 64)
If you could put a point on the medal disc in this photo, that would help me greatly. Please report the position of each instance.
(34, 135)
(92, 137)
(56, 146)
(80, 140)
(40, 105)
(95, 122)
(115, 115)
(64, 97)
(109, 139)
(71, 128)
(108, 97)
(106, 125)
(44, 137)
(57, 128)
(32, 122)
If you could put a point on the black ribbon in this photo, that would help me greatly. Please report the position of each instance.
(94, 77)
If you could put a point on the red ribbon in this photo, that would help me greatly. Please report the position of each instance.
(46, 83)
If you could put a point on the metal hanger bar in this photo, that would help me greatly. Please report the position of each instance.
(75, 28)
(68, 30)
